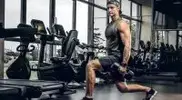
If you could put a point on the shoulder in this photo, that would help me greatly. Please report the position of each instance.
(122, 25)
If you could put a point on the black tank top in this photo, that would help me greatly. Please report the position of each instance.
(113, 39)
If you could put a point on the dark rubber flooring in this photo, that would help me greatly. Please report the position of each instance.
(166, 91)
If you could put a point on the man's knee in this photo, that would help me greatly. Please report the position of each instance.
(122, 87)
(93, 65)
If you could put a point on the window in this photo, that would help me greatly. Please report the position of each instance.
(82, 21)
(101, 2)
(159, 20)
(161, 36)
(139, 12)
(12, 8)
(125, 5)
(180, 33)
(38, 9)
(135, 32)
(100, 19)
(64, 13)
(172, 37)
(134, 11)
(180, 42)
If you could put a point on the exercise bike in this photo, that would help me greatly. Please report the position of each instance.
(20, 68)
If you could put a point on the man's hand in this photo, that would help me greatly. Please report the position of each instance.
(119, 68)
(123, 69)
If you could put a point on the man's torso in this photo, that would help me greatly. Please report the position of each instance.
(113, 39)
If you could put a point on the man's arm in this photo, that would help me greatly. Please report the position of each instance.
(126, 39)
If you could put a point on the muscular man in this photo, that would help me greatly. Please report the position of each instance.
(118, 39)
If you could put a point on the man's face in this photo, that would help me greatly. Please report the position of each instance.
(112, 10)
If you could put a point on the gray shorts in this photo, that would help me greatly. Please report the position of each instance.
(106, 63)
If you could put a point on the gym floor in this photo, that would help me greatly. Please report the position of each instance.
(166, 91)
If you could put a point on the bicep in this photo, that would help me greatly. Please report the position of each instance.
(125, 35)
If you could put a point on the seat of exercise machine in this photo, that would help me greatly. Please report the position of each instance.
(59, 59)
(68, 47)
(67, 51)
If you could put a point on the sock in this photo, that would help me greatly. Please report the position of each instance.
(89, 97)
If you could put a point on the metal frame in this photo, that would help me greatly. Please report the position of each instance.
(168, 30)
(152, 39)
(90, 23)
(74, 14)
(51, 22)
(120, 2)
(107, 20)
(135, 2)
(91, 3)
(55, 42)
(23, 12)
(130, 13)
(2, 13)
(140, 14)
(130, 18)
(177, 38)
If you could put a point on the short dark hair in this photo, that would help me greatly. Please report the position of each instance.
(116, 3)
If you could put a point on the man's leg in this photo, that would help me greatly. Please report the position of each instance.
(123, 87)
(92, 66)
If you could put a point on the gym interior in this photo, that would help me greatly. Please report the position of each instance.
(45, 46)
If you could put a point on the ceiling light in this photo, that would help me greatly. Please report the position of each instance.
(176, 2)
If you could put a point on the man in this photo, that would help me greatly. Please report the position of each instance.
(118, 40)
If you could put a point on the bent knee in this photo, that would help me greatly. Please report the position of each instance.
(122, 87)
(93, 65)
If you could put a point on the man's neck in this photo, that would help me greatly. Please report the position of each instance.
(114, 18)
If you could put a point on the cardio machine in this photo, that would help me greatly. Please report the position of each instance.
(23, 89)
(20, 68)
(59, 65)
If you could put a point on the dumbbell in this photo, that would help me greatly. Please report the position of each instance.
(116, 68)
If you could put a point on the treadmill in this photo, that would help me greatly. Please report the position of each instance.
(10, 92)
(22, 89)
(33, 88)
